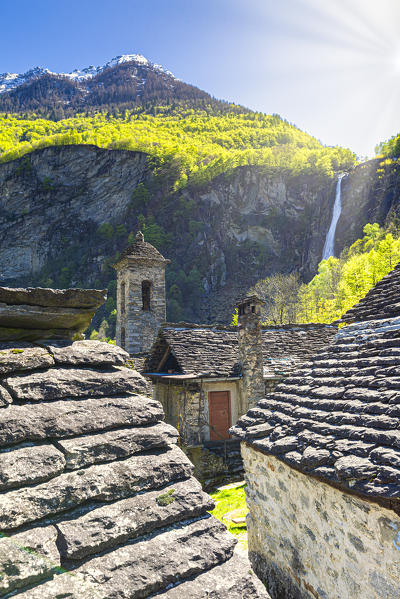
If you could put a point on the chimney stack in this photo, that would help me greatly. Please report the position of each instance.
(250, 348)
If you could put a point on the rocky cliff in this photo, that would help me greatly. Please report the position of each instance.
(66, 212)
(370, 194)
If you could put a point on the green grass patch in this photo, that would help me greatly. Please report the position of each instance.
(232, 503)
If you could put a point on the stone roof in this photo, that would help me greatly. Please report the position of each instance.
(39, 313)
(382, 301)
(213, 350)
(97, 501)
(141, 250)
(338, 416)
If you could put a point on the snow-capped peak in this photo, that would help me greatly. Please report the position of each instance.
(9, 81)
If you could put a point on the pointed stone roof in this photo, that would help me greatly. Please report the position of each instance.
(140, 250)
(97, 501)
(338, 417)
(382, 301)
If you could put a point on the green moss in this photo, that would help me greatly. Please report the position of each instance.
(166, 498)
(17, 351)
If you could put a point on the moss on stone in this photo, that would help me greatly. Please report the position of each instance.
(166, 498)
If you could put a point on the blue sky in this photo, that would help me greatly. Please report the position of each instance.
(332, 67)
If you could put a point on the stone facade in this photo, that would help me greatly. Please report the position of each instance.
(141, 306)
(186, 408)
(186, 405)
(309, 540)
(251, 349)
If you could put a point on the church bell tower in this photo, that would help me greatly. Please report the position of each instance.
(141, 306)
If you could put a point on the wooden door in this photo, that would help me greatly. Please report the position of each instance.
(219, 405)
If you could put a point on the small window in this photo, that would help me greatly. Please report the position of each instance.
(123, 337)
(146, 296)
(253, 309)
(122, 291)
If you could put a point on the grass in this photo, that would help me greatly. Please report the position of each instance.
(232, 500)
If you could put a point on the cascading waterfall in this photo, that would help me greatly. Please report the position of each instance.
(329, 247)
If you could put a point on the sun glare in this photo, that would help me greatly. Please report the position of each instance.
(397, 61)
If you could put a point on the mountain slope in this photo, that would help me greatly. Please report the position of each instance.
(125, 81)
(66, 212)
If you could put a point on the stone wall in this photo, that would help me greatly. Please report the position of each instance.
(270, 384)
(186, 406)
(140, 326)
(308, 540)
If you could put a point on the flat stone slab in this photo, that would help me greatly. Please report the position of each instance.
(64, 586)
(60, 419)
(20, 356)
(105, 482)
(139, 569)
(41, 540)
(62, 298)
(5, 397)
(13, 334)
(232, 580)
(74, 382)
(115, 524)
(20, 567)
(86, 353)
(29, 465)
(39, 317)
(105, 447)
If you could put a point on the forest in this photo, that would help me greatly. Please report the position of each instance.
(195, 145)
(339, 284)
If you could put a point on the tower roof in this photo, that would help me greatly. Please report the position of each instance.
(141, 250)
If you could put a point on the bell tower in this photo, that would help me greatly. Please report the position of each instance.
(141, 306)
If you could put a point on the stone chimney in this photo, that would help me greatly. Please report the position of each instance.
(250, 348)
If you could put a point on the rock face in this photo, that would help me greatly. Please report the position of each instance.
(370, 194)
(57, 205)
(97, 501)
(62, 204)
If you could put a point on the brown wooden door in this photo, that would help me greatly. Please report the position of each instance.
(219, 405)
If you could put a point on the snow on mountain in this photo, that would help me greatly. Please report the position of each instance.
(9, 81)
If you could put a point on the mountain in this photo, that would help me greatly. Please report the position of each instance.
(66, 213)
(228, 194)
(126, 80)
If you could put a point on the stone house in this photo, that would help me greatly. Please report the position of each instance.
(206, 377)
(97, 501)
(322, 461)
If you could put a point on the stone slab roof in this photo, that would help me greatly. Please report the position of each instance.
(214, 351)
(382, 301)
(141, 250)
(338, 416)
(97, 501)
(39, 313)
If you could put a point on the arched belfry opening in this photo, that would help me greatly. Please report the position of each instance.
(140, 296)
(146, 295)
(123, 297)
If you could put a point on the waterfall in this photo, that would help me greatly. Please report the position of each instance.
(329, 247)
